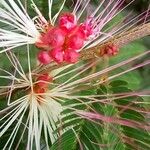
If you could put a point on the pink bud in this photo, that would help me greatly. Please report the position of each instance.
(75, 41)
(67, 22)
(56, 37)
(44, 57)
(57, 54)
(43, 80)
(71, 56)
(111, 50)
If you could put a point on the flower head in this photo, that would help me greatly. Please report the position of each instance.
(59, 39)
(67, 32)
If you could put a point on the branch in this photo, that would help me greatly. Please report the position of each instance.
(94, 52)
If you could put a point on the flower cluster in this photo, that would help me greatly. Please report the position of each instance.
(63, 42)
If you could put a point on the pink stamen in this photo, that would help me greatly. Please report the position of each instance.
(107, 119)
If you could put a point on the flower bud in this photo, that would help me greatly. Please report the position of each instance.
(67, 22)
(71, 56)
(43, 80)
(44, 58)
(57, 54)
(43, 41)
(111, 50)
(75, 41)
(85, 30)
(56, 37)
(39, 90)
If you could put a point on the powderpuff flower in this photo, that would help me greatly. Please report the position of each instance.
(60, 39)
(52, 33)
(36, 111)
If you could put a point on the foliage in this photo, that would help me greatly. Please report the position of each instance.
(92, 134)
